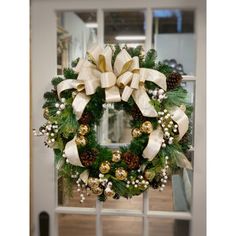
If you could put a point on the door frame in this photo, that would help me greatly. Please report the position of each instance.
(43, 67)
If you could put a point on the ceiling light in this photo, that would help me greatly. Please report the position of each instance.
(92, 25)
(130, 37)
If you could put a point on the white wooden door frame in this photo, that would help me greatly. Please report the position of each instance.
(43, 68)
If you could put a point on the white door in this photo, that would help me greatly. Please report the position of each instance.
(147, 214)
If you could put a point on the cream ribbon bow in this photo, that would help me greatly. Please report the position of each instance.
(126, 80)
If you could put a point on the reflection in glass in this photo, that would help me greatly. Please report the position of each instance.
(168, 227)
(74, 225)
(174, 38)
(76, 32)
(114, 127)
(120, 225)
(73, 201)
(124, 27)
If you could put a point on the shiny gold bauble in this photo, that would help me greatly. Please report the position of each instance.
(149, 175)
(147, 127)
(121, 174)
(116, 156)
(105, 167)
(136, 132)
(109, 192)
(83, 129)
(97, 191)
(46, 113)
(142, 186)
(81, 140)
(93, 182)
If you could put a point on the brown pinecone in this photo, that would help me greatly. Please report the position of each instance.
(88, 157)
(85, 118)
(173, 80)
(136, 114)
(131, 160)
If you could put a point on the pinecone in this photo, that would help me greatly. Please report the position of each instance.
(155, 184)
(88, 157)
(131, 160)
(173, 80)
(85, 118)
(136, 114)
(117, 196)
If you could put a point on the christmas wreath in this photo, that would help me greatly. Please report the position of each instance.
(149, 92)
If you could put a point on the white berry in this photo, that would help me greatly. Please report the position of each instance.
(57, 105)
(58, 112)
(62, 106)
(63, 99)
(160, 91)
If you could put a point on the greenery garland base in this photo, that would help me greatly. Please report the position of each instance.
(123, 172)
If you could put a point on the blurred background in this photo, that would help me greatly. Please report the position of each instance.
(63, 31)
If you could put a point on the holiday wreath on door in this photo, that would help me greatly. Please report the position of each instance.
(150, 92)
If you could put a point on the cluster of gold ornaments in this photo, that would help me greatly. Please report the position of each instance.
(81, 140)
(145, 128)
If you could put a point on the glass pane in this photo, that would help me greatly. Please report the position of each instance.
(76, 32)
(135, 203)
(174, 38)
(124, 27)
(120, 225)
(73, 201)
(177, 194)
(74, 225)
(114, 127)
(190, 87)
(168, 227)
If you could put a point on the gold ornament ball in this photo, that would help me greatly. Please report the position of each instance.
(149, 175)
(97, 191)
(116, 156)
(136, 132)
(142, 186)
(147, 127)
(105, 167)
(83, 129)
(121, 174)
(81, 140)
(93, 182)
(109, 192)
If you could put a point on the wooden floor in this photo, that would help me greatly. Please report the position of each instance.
(76, 225)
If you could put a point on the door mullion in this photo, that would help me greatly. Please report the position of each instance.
(98, 218)
(145, 213)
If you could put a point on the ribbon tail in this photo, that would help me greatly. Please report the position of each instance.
(181, 119)
(143, 102)
(84, 176)
(80, 102)
(72, 153)
(154, 144)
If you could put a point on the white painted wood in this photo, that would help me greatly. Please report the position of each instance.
(43, 64)
(100, 20)
(148, 20)
(124, 212)
(145, 213)
(98, 218)
(198, 224)
(43, 68)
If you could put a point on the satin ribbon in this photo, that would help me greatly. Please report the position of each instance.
(125, 80)
(178, 115)
(154, 144)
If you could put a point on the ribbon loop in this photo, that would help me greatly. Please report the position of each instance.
(72, 154)
(122, 63)
(108, 79)
(154, 144)
(178, 115)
